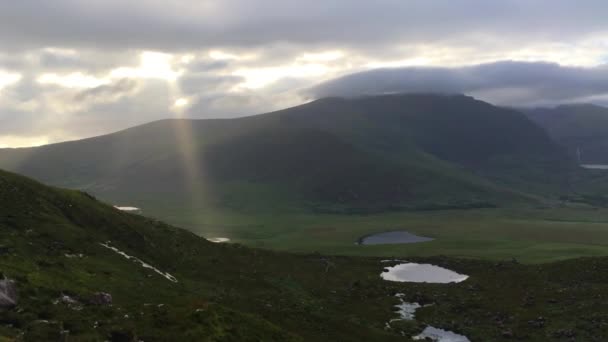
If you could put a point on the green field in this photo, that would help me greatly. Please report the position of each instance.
(529, 235)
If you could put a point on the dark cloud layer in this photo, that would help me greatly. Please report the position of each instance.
(181, 24)
(504, 83)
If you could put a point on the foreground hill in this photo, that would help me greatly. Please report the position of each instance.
(79, 270)
(363, 154)
(67, 253)
(581, 128)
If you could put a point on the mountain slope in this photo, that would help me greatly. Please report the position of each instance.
(63, 248)
(370, 153)
(581, 128)
(498, 144)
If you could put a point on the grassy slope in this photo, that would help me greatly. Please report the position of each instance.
(499, 144)
(240, 294)
(232, 293)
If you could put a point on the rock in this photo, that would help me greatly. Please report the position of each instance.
(101, 298)
(569, 333)
(537, 323)
(8, 294)
(507, 334)
(71, 302)
(67, 300)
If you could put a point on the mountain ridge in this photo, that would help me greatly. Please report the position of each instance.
(375, 153)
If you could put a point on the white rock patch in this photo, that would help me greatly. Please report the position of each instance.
(127, 208)
(440, 335)
(139, 261)
(218, 239)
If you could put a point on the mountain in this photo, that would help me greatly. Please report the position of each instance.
(581, 128)
(73, 268)
(362, 154)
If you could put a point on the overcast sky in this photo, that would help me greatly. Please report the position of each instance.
(77, 68)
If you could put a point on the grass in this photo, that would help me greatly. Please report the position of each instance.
(529, 235)
(224, 293)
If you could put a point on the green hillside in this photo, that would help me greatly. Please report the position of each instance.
(62, 251)
(366, 154)
(52, 244)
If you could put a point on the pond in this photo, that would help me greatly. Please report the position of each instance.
(395, 237)
(421, 273)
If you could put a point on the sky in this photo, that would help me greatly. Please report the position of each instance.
(71, 69)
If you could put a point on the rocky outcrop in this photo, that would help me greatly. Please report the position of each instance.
(101, 298)
(8, 294)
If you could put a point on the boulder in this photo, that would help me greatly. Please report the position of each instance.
(101, 298)
(8, 294)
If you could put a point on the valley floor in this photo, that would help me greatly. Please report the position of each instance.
(528, 235)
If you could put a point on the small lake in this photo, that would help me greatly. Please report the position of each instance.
(421, 273)
(396, 237)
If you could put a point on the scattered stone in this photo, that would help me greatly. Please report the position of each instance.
(72, 256)
(101, 298)
(474, 288)
(537, 323)
(528, 301)
(561, 333)
(507, 334)
(69, 301)
(8, 294)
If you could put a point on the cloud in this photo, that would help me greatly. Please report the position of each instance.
(241, 104)
(110, 64)
(503, 83)
(109, 92)
(30, 111)
(206, 83)
(181, 24)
